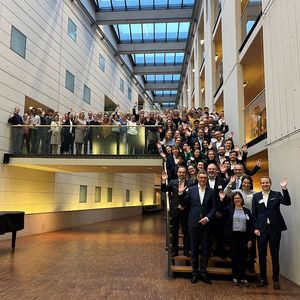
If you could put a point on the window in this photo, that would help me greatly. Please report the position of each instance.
(127, 195)
(70, 81)
(141, 196)
(18, 42)
(83, 194)
(72, 30)
(129, 93)
(97, 194)
(101, 62)
(109, 194)
(86, 94)
(122, 85)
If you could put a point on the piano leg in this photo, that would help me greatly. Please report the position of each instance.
(13, 240)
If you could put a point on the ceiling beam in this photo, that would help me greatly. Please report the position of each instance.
(160, 99)
(135, 48)
(161, 86)
(144, 70)
(144, 16)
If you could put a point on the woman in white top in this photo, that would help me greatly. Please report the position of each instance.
(80, 132)
(247, 193)
(55, 128)
(131, 135)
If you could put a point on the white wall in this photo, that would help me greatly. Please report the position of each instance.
(41, 75)
(281, 33)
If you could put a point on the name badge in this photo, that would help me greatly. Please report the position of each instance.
(220, 187)
(272, 198)
(247, 217)
(261, 201)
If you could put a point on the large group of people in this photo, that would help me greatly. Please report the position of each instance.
(212, 199)
(207, 177)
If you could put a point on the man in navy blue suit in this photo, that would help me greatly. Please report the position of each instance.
(268, 224)
(202, 202)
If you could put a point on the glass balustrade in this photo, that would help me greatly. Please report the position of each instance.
(86, 139)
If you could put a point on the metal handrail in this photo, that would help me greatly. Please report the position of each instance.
(168, 231)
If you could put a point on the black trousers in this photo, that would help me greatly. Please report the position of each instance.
(239, 254)
(200, 236)
(273, 238)
(178, 219)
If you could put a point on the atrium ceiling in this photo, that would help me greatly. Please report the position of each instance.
(155, 34)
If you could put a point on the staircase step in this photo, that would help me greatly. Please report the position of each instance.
(210, 270)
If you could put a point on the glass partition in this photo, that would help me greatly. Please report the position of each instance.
(61, 139)
(255, 118)
(251, 12)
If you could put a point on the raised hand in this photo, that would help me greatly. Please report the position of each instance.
(222, 168)
(164, 176)
(245, 148)
(181, 188)
(284, 183)
(222, 195)
(258, 163)
(233, 179)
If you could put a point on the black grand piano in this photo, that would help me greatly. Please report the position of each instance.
(11, 221)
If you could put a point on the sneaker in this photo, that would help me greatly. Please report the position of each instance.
(244, 282)
(235, 281)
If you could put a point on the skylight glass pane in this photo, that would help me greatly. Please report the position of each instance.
(139, 59)
(132, 4)
(136, 32)
(158, 93)
(188, 2)
(168, 77)
(170, 58)
(150, 78)
(159, 78)
(172, 31)
(160, 3)
(159, 58)
(160, 31)
(175, 3)
(146, 4)
(118, 4)
(148, 32)
(179, 58)
(183, 30)
(105, 4)
(149, 57)
(124, 32)
(173, 93)
(176, 77)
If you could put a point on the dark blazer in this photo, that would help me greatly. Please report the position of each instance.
(272, 211)
(197, 211)
(228, 212)
(172, 188)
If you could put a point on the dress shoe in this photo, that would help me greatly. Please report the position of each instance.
(235, 281)
(276, 285)
(244, 282)
(204, 278)
(262, 283)
(194, 278)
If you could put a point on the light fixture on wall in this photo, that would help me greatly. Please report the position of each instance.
(216, 57)
(202, 90)
(245, 83)
(201, 42)
(135, 80)
(193, 70)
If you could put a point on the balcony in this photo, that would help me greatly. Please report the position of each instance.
(104, 149)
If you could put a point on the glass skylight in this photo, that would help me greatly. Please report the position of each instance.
(158, 59)
(112, 5)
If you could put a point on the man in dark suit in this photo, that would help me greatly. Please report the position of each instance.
(179, 214)
(202, 201)
(268, 224)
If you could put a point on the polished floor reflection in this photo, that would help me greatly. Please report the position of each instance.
(122, 259)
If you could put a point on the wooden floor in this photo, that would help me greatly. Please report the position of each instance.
(123, 259)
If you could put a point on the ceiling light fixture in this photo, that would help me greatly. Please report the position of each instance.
(245, 83)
